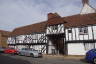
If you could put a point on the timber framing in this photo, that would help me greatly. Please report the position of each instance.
(28, 44)
(61, 34)
(81, 41)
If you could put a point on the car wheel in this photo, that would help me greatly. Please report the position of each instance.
(94, 60)
(32, 55)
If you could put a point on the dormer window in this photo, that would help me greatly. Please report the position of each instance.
(83, 30)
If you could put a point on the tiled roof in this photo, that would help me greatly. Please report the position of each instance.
(80, 20)
(29, 29)
(74, 20)
(69, 21)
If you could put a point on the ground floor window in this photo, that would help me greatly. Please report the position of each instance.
(54, 51)
(89, 46)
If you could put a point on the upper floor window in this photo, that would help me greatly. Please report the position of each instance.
(83, 30)
(69, 31)
(55, 27)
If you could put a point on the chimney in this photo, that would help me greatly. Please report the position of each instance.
(53, 15)
(85, 2)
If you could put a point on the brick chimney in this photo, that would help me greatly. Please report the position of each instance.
(52, 15)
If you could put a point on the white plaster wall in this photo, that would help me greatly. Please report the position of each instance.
(50, 47)
(76, 49)
(19, 39)
(39, 47)
(90, 32)
(38, 36)
(66, 31)
(77, 33)
(94, 30)
(77, 36)
(11, 40)
(49, 30)
(73, 34)
(18, 47)
(80, 48)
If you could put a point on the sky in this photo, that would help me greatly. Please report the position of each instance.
(17, 13)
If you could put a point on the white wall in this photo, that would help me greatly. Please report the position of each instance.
(76, 36)
(76, 49)
(79, 48)
(50, 47)
(94, 30)
(49, 29)
(39, 48)
(34, 38)
(11, 40)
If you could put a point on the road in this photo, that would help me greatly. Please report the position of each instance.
(11, 59)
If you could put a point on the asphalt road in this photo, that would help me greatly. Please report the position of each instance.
(11, 59)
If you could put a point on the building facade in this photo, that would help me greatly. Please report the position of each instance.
(31, 36)
(3, 38)
(71, 35)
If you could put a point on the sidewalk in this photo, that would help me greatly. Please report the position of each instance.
(74, 57)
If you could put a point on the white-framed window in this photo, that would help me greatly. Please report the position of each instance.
(55, 27)
(83, 30)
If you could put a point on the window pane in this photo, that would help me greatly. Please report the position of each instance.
(83, 30)
(70, 31)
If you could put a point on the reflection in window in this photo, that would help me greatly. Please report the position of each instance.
(83, 30)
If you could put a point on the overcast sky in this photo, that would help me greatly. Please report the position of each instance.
(16, 13)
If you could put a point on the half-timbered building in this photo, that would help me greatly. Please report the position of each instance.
(55, 33)
(71, 35)
(31, 36)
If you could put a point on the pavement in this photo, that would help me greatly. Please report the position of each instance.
(75, 57)
(47, 59)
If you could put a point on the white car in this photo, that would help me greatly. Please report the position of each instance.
(29, 52)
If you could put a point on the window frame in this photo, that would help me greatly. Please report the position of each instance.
(55, 27)
(83, 31)
(69, 31)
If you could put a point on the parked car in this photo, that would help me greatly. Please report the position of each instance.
(10, 51)
(91, 56)
(2, 50)
(29, 52)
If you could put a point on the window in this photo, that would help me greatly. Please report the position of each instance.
(55, 27)
(83, 30)
(69, 31)
(89, 46)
